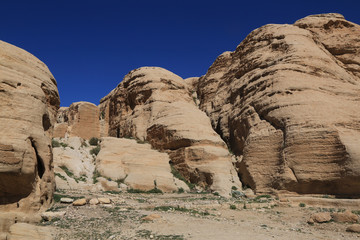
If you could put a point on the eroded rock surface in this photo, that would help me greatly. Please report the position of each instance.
(28, 103)
(136, 165)
(81, 119)
(287, 103)
(156, 105)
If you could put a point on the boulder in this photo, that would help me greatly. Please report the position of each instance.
(137, 165)
(286, 102)
(353, 228)
(29, 101)
(320, 217)
(79, 202)
(48, 216)
(345, 217)
(94, 201)
(66, 200)
(81, 119)
(104, 200)
(151, 217)
(152, 104)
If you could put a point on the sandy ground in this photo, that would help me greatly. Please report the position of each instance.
(190, 216)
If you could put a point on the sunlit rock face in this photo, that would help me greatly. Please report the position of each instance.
(28, 104)
(287, 102)
(152, 104)
(81, 119)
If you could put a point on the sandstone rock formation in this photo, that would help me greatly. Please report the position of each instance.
(81, 119)
(28, 103)
(137, 165)
(156, 105)
(287, 103)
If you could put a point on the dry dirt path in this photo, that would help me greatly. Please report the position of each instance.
(189, 216)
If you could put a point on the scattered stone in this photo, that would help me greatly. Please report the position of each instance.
(94, 201)
(48, 216)
(104, 200)
(79, 202)
(66, 200)
(353, 228)
(345, 217)
(151, 217)
(320, 217)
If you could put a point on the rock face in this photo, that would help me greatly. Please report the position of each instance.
(137, 165)
(81, 119)
(156, 105)
(287, 103)
(28, 104)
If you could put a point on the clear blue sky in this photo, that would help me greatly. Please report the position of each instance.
(90, 45)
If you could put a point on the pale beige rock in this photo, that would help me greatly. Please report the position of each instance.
(28, 103)
(345, 217)
(353, 228)
(79, 202)
(66, 200)
(139, 166)
(320, 217)
(286, 101)
(25, 231)
(48, 216)
(156, 105)
(104, 200)
(151, 217)
(94, 201)
(81, 119)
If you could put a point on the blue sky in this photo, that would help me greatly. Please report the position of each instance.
(90, 45)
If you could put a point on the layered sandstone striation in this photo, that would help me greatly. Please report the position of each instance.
(28, 104)
(287, 103)
(152, 104)
(81, 119)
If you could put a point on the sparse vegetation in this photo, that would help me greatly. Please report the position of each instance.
(302, 204)
(95, 151)
(154, 190)
(232, 206)
(180, 190)
(60, 176)
(64, 145)
(67, 171)
(84, 144)
(178, 175)
(96, 174)
(234, 188)
(55, 143)
(94, 141)
(181, 209)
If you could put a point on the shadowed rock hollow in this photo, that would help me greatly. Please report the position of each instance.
(287, 101)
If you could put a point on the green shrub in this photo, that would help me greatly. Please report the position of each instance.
(55, 143)
(64, 145)
(154, 190)
(180, 190)
(232, 206)
(94, 141)
(95, 151)
(67, 171)
(84, 144)
(234, 188)
(60, 176)
(96, 174)
(302, 204)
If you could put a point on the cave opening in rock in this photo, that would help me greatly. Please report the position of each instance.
(40, 163)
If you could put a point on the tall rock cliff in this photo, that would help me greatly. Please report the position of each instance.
(81, 119)
(152, 104)
(287, 103)
(28, 104)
